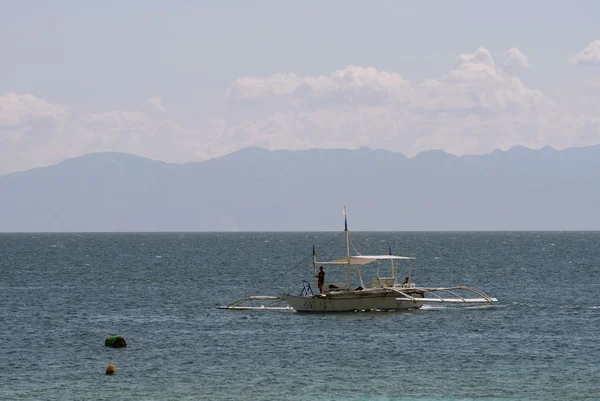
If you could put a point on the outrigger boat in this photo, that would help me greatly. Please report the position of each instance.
(381, 294)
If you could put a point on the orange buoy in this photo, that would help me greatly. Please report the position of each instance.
(111, 369)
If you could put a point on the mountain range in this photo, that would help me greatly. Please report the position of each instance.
(259, 190)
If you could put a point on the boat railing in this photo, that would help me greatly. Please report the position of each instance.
(379, 282)
(306, 289)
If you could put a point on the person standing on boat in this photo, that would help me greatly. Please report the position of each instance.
(321, 277)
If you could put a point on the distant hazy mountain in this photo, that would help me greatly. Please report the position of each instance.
(260, 190)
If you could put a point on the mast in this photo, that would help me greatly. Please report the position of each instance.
(346, 232)
(314, 262)
(348, 267)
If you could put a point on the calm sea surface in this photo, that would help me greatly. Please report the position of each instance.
(62, 294)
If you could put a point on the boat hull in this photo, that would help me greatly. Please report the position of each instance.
(349, 302)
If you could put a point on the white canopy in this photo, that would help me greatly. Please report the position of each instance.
(361, 260)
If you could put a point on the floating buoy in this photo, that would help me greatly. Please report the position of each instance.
(115, 341)
(111, 369)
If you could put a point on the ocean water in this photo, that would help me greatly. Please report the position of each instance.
(62, 294)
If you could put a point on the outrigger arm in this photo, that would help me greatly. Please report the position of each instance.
(432, 291)
(237, 305)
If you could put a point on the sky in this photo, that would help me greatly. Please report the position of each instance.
(187, 81)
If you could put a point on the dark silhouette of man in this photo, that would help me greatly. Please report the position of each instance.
(321, 281)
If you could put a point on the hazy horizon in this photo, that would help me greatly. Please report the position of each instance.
(274, 150)
(427, 116)
(256, 190)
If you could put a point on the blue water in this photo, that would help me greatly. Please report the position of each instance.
(62, 294)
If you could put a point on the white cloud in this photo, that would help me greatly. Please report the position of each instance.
(474, 84)
(477, 87)
(350, 82)
(589, 55)
(154, 105)
(475, 107)
(18, 109)
(480, 56)
(35, 132)
(515, 61)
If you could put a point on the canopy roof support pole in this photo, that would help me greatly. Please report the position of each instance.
(348, 276)
(360, 276)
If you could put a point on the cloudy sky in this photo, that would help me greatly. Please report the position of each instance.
(190, 80)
